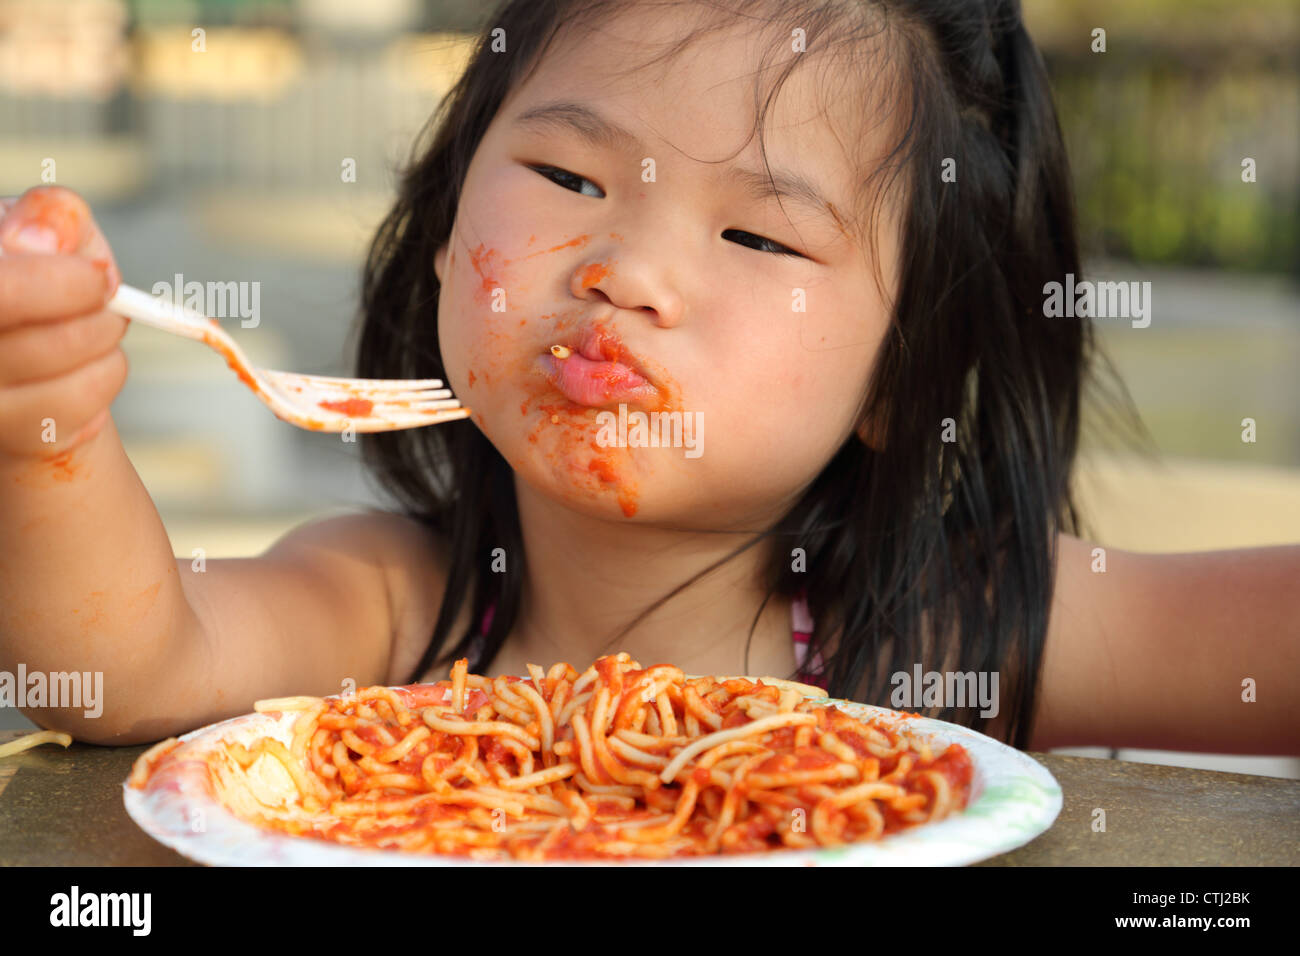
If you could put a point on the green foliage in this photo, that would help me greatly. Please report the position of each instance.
(1157, 155)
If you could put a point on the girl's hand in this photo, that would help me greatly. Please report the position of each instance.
(60, 364)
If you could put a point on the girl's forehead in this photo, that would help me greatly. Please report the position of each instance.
(676, 72)
(653, 87)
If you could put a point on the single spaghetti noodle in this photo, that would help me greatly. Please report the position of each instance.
(616, 762)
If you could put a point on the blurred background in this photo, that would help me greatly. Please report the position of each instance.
(257, 141)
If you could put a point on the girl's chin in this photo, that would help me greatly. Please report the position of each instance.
(561, 453)
(604, 482)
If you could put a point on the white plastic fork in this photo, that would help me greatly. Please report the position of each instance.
(364, 404)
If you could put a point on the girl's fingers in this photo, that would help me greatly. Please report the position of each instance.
(60, 363)
(31, 353)
(36, 288)
(48, 220)
(66, 405)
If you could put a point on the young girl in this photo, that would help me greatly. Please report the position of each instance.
(815, 235)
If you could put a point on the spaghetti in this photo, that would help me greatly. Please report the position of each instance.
(616, 762)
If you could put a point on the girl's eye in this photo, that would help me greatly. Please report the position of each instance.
(564, 178)
(762, 244)
(573, 182)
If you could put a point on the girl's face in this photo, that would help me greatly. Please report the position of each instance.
(629, 219)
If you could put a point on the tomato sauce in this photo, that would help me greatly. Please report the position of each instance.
(770, 814)
(352, 407)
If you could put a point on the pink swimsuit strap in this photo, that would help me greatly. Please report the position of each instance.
(801, 622)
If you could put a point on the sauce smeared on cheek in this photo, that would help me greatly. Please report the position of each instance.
(481, 259)
(490, 339)
(491, 270)
(571, 244)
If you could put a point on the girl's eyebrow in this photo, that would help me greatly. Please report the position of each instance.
(603, 133)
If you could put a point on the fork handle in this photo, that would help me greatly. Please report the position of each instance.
(140, 306)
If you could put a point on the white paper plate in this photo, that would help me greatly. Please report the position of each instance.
(1012, 800)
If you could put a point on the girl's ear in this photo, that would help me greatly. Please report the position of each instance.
(440, 262)
(869, 433)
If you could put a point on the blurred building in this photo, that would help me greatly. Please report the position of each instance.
(229, 140)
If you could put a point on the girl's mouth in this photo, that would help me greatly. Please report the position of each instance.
(589, 371)
(585, 382)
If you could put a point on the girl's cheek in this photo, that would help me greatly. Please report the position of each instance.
(481, 281)
(459, 318)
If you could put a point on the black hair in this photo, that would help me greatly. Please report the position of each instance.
(918, 549)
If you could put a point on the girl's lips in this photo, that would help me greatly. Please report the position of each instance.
(585, 382)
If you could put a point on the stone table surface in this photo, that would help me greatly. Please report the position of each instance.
(64, 808)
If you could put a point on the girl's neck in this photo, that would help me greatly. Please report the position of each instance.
(587, 578)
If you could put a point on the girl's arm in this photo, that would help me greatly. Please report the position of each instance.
(91, 585)
(88, 580)
(1196, 652)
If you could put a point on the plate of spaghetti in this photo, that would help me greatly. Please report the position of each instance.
(616, 764)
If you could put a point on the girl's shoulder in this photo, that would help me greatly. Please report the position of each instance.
(415, 561)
